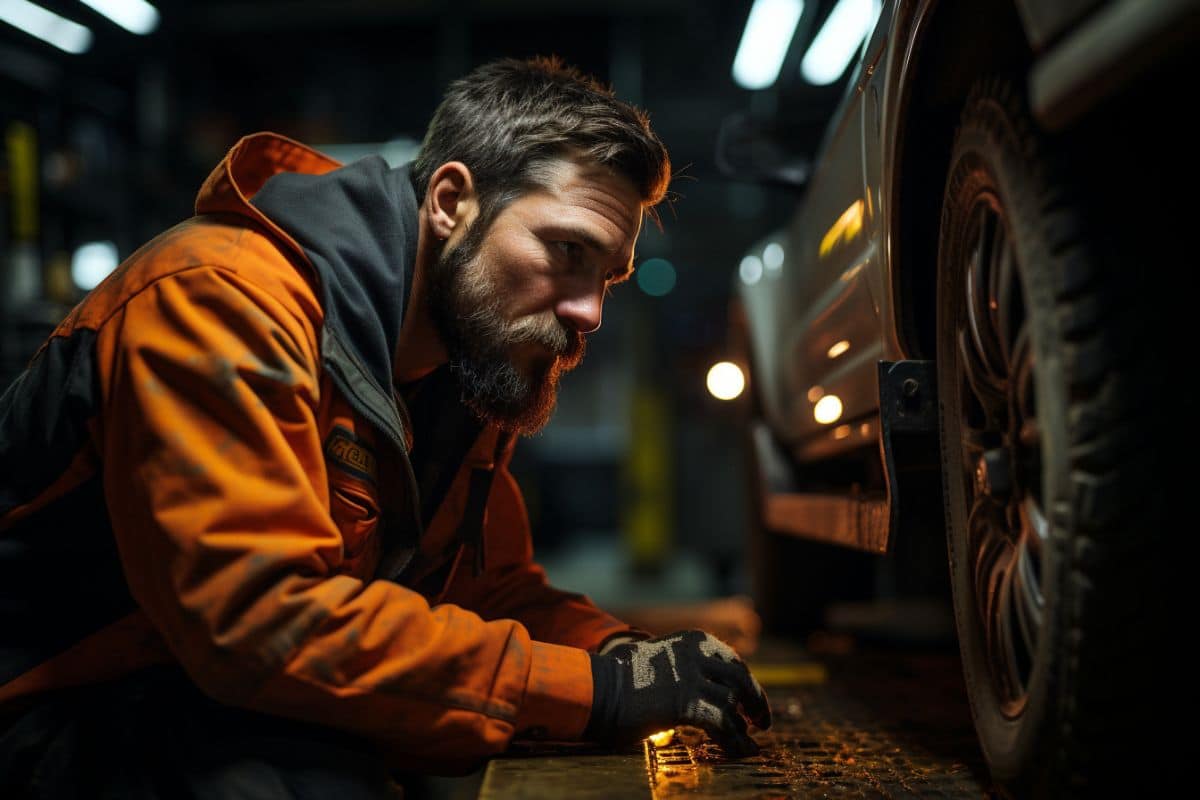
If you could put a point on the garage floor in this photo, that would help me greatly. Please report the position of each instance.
(874, 724)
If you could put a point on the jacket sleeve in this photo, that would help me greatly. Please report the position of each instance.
(514, 586)
(216, 486)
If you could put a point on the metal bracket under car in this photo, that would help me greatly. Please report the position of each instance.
(864, 519)
(910, 441)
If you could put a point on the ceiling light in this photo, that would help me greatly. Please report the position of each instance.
(135, 16)
(839, 38)
(765, 42)
(46, 25)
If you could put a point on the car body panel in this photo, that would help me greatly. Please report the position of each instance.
(833, 285)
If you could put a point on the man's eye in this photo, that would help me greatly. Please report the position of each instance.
(569, 249)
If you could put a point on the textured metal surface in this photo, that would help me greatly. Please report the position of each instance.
(852, 520)
(882, 727)
(864, 726)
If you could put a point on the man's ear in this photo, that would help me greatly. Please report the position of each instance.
(452, 202)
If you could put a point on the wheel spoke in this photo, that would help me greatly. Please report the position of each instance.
(988, 543)
(1027, 598)
(1020, 612)
(1020, 367)
(980, 312)
(1004, 652)
(1022, 410)
(990, 397)
(1002, 655)
(1005, 292)
(1007, 596)
(1035, 528)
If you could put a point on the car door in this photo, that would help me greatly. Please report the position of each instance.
(832, 248)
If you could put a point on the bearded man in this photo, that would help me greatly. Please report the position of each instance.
(257, 532)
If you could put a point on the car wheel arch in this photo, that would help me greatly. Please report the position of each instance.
(988, 38)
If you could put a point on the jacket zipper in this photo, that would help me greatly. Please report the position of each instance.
(390, 421)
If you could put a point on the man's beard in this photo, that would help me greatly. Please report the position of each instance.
(465, 306)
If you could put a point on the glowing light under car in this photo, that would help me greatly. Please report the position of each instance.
(828, 409)
(725, 380)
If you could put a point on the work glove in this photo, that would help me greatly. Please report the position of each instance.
(685, 678)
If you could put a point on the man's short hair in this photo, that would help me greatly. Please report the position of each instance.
(509, 120)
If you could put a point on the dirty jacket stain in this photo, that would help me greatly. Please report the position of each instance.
(206, 464)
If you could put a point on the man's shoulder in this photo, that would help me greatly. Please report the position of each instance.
(221, 241)
(224, 243)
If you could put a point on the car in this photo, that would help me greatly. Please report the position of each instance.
(970, 331)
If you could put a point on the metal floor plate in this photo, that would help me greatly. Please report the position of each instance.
(884, 725)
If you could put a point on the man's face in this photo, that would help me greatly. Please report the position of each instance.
(512, 303)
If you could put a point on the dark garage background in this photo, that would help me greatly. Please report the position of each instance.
(635, 489)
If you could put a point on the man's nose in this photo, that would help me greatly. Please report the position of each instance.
(581, 311)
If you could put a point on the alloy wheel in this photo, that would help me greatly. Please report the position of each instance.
(1000, 445)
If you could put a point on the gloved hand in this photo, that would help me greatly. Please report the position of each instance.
(685, 678)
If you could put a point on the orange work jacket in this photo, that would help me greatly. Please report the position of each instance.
(202, 466)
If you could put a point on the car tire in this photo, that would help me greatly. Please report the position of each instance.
(1048, 457)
